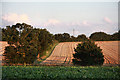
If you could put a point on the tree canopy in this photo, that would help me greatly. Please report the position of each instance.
(25, 43)
(82, 37)
(116, 36)
(87, 53)
(65, 37)
(100, 36)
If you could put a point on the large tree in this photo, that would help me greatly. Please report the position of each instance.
(87, 53)
(22, 43)
(26, 43)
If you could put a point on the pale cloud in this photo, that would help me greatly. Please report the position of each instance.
(85, 23)
(51, 22)
(106, 19)
(16, 18)
(76, 23)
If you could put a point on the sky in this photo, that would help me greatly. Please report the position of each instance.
(63, 17)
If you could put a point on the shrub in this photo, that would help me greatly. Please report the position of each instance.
(87, 53)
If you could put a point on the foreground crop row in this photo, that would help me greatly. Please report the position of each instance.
(59, 73)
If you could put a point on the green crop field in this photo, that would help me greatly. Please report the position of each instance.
(59, 73)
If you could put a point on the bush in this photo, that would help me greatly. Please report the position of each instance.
(87, 53)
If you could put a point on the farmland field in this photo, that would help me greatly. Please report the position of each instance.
(62, 54)
(59, 73)
(110, 51)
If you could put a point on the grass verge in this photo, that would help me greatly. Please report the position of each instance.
(47, 53)
(59, 73)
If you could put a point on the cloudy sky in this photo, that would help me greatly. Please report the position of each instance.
(59, 17)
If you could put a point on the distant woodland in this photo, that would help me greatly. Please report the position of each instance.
(65, 37)
(26, 42)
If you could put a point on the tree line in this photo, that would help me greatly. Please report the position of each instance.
(27, 43)
(96, 36)
(102, 36)
(65, 37)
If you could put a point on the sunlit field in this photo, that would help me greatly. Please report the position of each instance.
(57, 40)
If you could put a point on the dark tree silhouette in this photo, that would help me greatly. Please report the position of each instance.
(65, 37)
(100, 36)
(87, 53)
(82, 37)
(25, 43)
(116, 36)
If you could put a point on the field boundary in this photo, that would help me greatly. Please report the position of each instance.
(53, 47)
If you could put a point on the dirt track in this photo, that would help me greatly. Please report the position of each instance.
(62, 54)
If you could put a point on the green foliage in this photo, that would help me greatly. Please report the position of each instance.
(45, 39)
(10, 34)
(59, 37)
(87, 53)
(27, 41)
(100, 36)
(81, 37)
(116, 36)
(65, 37)
(46, 53)
(11, 55)
(59, 73)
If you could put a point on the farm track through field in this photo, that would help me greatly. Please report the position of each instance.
(63, 52)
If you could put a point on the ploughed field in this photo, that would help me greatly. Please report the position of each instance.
(63, 52)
